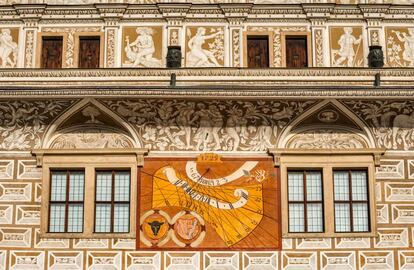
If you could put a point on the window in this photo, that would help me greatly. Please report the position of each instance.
(112, 201)
(51, 52)
(66, 201)
(328, 194)
(257, 51)
(89, 51)
(305, 201)
(296, 52)
(351, 201)
(90, 201)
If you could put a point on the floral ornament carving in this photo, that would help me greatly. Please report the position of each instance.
(110, 43)
(236, 47)
(326, 139)
(391, 122)
(319, 47)
(170, 125)
(29, 48)
(22, 123)
(91, 137)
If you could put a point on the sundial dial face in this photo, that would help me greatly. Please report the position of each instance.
(226, 203)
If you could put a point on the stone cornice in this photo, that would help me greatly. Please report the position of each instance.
(202, 11)
(202, 92)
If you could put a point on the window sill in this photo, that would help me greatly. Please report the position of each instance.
(88, 236)
(329, 235)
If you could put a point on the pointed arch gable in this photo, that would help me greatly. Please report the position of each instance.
(360, 128)
(53, 128)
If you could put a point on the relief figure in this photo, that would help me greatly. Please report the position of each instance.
(8, 49)
(408, 54)
(405, 123)
(346, 52)
(197, 56)
(140, 52)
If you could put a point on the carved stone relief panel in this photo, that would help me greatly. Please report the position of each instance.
(170, 125)
(22, 123)
(347, 48)
(9, 48)
(400, 46)
(142, 46)
(391, 122)
(204, 46)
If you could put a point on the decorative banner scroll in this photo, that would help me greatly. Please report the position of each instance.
(230, 203)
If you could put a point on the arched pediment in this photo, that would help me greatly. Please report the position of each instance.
(89, 124)
(328, 125)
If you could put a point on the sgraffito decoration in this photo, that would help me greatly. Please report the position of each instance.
(209, 203)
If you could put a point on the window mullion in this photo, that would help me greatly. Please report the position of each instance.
(305, 207)
(67, 202)
(351, 210)
(112, 202)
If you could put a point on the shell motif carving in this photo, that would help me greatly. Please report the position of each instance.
(326, 139)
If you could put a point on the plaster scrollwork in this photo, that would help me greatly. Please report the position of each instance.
(29, 48)
(209, 125)
(236, 47)
(319, 48)
(22, 123)
(8, 49)
(90, 136)
(392, 122)
(200, 56)
(110, 45)
(326, 139)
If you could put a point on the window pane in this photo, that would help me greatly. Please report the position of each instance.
(103, 218)
(360, 217)
(313, 186)
(75, 218)
(104, 186)
(76, 183)
(122, 187)
(342, 217)
(296, 218)
(121, 219)
(359, 186)
(295, 182)
(58, 185)
(57, 218)
(315, 217)
(341, 186)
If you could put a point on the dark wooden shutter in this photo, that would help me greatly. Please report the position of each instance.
(257, 51)
(51, 52)
(296, 52)
(89, 52)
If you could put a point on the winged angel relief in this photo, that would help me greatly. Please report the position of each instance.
(229, 198)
